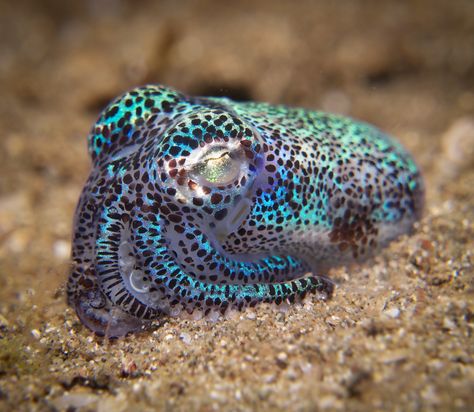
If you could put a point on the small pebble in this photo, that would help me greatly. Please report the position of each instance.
(306, 367)
(458, 146)
(36, 333)
(396, 356)
(393, 313)
(185, 337)
(269, 378)
(61, 249)
(449, 323)
(282, 359)
(250, 315)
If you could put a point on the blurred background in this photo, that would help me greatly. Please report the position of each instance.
(405, 66)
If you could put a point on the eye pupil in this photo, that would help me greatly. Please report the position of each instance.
(219, 168)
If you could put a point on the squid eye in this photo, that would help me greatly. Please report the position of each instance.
(217, 168)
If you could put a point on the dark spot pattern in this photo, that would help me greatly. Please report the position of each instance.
(204, 205)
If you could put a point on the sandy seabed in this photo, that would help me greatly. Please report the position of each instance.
(398, 333)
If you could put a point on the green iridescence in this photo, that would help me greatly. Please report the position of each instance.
(217, 170)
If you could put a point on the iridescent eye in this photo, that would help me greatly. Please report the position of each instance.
(218, 167)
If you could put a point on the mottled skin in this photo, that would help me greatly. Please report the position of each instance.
(206, 205)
